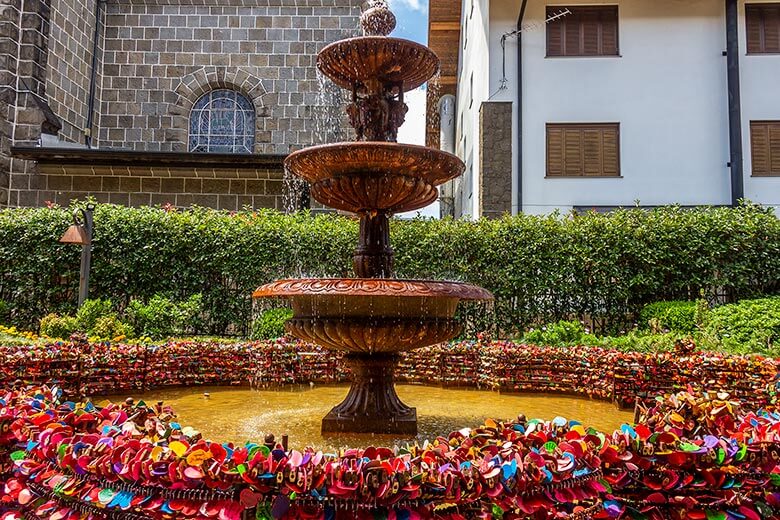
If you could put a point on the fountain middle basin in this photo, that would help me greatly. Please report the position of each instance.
(389, 177)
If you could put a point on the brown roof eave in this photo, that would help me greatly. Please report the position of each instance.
(134, 158)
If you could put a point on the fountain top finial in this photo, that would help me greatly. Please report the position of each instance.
(377, 18)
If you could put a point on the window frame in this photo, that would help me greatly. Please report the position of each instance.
(770, 174)
(243, 143)
(582, 8)
(583, 126)
(760, 6)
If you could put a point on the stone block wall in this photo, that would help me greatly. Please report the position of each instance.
(162, 56)
(24, 28)
(71, 41)
(9, 56)
(155, 59)
(495, 156)
(226, 189)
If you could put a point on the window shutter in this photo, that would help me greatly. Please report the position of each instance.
(572, 37)
(609, 32)
(585, 31)
(592, 152)
(753, 30)
(583, 150)
(590, 33)
(772, 28)
(765, 148)
(572, 151)
(555, 32)
(763, 28)
(759, 143)
(611, 151)
(554, 152)
(774, 148)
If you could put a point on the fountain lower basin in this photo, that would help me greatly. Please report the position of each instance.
(372, 319)
(239, 413)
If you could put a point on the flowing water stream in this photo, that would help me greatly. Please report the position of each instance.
(241, 414)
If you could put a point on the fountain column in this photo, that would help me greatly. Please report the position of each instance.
(374, 256)
(372, 404)
(373, 317)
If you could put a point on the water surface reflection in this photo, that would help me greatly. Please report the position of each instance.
(241, 414)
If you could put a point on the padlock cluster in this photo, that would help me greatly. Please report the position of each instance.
(620, 377)
(690, 455)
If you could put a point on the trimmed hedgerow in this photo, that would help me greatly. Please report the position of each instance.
(746, 327)
(270, 324)
(603, 268)
(678, 316)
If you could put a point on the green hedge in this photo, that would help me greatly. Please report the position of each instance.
(679, 316)
(270, 324)
(541, 269)
(746, 327)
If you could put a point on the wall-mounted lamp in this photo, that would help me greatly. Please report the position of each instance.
(80, 233)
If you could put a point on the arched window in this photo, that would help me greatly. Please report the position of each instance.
(222, 121)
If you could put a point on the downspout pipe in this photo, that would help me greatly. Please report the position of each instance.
(735, 102)
(519, 178)
(93, 77)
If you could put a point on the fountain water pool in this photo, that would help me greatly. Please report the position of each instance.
(240, 414)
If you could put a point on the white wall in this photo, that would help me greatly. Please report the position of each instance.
(473, 63)
(668, 90)
(760, 80)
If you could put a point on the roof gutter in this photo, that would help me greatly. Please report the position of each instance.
(519, 179)
(735, 102)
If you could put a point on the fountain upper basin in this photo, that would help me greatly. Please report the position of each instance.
(383, 176)
(370, 62)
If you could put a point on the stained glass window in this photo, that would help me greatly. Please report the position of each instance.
(222, 121)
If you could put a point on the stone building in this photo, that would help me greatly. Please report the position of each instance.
(178, 102)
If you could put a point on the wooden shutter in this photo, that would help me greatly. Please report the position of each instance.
(572, 151)
(583, 150)
(555, 33)
(611, 151)
(765, 148)
(585, 31)
(609, 31)
(590, 30)
(554, 151)
(763, 28)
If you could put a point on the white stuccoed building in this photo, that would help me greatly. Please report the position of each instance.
(636, 101)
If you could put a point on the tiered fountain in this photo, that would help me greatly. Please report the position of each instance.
(374, 316)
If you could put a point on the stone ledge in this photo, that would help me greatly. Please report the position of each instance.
(78, 161)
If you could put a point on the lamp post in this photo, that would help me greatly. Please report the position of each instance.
(80, 233)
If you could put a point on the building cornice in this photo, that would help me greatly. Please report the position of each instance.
(67, 159)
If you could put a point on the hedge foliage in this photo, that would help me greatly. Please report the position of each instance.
(270, 324)
(678, 316)
(604, 268)
(746, 327)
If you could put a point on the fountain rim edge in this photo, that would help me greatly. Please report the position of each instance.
(357, 287)
(390, 145)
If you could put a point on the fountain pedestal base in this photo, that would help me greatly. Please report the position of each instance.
(372, 404)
